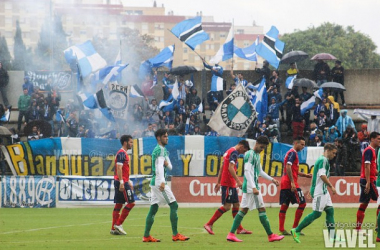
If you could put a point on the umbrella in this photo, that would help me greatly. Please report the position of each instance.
(183, 70)
(294, 56)
(304, 82)
(5, 131)
(333, 85)
(323, 56)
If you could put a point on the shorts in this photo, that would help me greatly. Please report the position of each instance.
(252, 201)
(287, 196)
(321, 202)
(373, 194)
(122, 197)
(161, 197)
(229, 195)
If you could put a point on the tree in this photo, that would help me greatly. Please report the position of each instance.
(5, 56)
(19, 50)
(355, 49)
(50, 47)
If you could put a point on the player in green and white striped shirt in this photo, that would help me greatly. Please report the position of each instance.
(321, 197)
(160, 192)
(252, 198)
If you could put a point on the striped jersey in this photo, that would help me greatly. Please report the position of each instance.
(369, 156)
(252, 169)
(158, 151)
(321, 167)
(291, 158)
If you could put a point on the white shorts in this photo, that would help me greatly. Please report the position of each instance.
(252, 201)
(378, 198)
(161, 198)
(321, 202)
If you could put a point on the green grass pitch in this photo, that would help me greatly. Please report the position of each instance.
(88, 228)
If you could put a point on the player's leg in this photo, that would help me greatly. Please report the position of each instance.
(301, 207)
(119, 200)
(285, 199)
(318, 206)
(378, 231)
(364, 200)
(330, 222)
(115, 217)
(220, 211)
(154, 201)
(378, 209)
(129, 196)
(247, 202)
(234, 198)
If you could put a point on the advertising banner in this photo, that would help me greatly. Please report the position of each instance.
(99, 189)
(190, 156)
(28, 191)
(201, 189)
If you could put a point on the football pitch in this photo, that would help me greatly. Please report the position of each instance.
(88, 228)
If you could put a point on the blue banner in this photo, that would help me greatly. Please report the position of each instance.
(190, 156)
(28, 191)
(99, 189)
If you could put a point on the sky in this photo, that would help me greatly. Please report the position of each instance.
(286, 15)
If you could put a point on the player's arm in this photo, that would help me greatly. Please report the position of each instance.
(267, 177)
(305, 175)
(217, 187)
(231, 169)
(119, 169)
(328, 183)
(367, 169)
(290, 175)
(168, 163)
(160, 174)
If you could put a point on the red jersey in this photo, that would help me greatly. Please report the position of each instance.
(369, 156)
(291, 157)
(123, 158)
(230, 156)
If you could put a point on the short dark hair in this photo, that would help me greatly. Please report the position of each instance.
(299, 138)
(160, 132)
(262, 139)
(373, 135)
(125, 138)
(339, 140)
(329, 146)
(244, 143)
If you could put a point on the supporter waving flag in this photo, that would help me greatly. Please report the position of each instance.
(190, 31)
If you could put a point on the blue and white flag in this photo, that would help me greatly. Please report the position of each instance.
(155, 81)
(259, 100)
(135, 91)
(108, 114)
(95, 101)
(290, 81)
(234, 114)
(190, 31)
(168, 104)
(197, 109)
(108, 74)
(226, 51)
(187, 126)
(86, 56)
(319, 93)
(164, 58)
(271, 48)
(248, 53)
(309, 104)
(175, 91)
(118, 58)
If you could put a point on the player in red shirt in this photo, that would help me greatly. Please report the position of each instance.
(368, 176)
(123, 187)
(227, 179)
(290, 190)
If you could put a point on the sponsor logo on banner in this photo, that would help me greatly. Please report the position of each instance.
(99, 189)
(28, 191)
(201, 189)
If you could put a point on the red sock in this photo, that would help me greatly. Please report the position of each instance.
(360, 216)
(234, 213)
(216, 215)
(125, 213)
(281, 216)
(116, 214)
(299, 213)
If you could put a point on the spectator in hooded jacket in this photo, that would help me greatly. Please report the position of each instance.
(363, 134)
(192, 97)
(344, 121)
(333, 110)
(28, 85)
(330, 135)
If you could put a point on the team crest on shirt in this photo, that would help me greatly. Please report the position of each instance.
(237, 111)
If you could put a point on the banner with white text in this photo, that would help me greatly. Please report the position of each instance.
(28, 192)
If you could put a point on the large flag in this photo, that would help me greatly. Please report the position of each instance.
(168, 104)
(164, 58)
(86, 56)
(95, 101)
(248, 53)
(226, 51)
(135, 91)
(271, 48)
(190, 31)
(108, 114)
(290, 81)
(108, 74)
(259, 99)
(234, 114)
(175, 91)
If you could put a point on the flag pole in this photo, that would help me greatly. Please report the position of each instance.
(187, 45)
